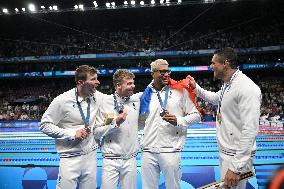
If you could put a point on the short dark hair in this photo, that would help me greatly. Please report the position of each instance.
(121, 74)
(228, 54)
(82, 72)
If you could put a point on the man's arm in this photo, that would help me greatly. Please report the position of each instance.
(192, 115)
(211, 97)
(249, 108)
(50, 119)
(104, 125)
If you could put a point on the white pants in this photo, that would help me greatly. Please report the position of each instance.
(224, 166)
(81, 170)
(154, 163)
(118, 169)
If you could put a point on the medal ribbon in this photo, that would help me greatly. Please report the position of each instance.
(164, 104)
(86, 119)
(224, 88)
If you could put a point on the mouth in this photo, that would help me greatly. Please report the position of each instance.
(130, 91)
(94, 89)
(165, 80)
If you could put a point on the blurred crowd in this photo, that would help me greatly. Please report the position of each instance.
(31, 100)
(144, 39)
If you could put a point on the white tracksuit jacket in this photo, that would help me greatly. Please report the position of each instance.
(240, 112)
(123, 141)
(62, 119)
(161, 136)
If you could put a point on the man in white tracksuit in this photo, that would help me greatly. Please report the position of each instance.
(119, 140)
(68, 120)
(169, 114)
(237, 119)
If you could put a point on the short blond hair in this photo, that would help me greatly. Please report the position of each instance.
(121, 74)
(158, 63)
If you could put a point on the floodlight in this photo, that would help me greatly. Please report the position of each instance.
(95, 4)
(81, 6)
(5, 11)
(32, 7)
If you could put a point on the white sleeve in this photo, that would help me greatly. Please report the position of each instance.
(50, 119)
(249, 108)
(211, 97)
(100, 129)
(139, 94)
(192, 115)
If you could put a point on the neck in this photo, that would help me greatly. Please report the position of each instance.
(229, 75)
(119, 93)
(80, 93)
(157, 86)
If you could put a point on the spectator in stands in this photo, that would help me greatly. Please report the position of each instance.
(68, 120)
(237, 119)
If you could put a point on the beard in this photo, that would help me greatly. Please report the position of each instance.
(218, 75)
(88, 89)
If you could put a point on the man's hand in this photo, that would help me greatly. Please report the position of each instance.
(231, 179)
(172, 119)
(88, 129)
(121, 118)
(191, 82)
(81, 134)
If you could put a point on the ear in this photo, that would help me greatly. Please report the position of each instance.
(80, 82)
(226, 62)
(118, 85)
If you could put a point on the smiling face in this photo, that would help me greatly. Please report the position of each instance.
(126, 87)
(88, 86)
(218, 66)
(86, 79)
(123, 81)
(161, 76)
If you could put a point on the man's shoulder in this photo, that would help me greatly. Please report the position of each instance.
(103, 98)
(66, 96)
(100, 95)
(136, 96)
(247, 85)
(178, 91)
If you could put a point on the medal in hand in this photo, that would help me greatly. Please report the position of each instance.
(163, 112)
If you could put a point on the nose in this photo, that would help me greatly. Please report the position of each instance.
(97, 82)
